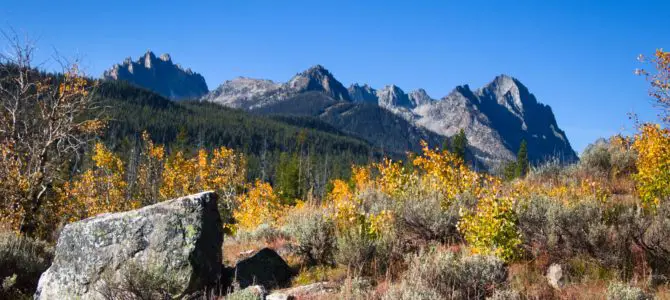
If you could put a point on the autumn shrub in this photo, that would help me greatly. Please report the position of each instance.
(259, 205)
(22, 261)
(653, 164)
(452, 276)
(314, 235)
(622, 291)
(492, 227)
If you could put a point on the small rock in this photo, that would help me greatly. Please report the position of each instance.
(555, 276)
(264, 268)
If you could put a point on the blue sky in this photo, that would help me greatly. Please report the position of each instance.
(577, 56)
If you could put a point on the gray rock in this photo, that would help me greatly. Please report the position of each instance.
(555, 276)
(264, 268)
(179, 238)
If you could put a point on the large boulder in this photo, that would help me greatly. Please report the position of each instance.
(179, 239)
(265, 268)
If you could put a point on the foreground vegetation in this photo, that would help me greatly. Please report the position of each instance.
(426, 227)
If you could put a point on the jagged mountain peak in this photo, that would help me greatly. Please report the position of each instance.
(392, 96)
(166, 57)
(419, 97)
(318, 78)
(160, 75)
(364, 93)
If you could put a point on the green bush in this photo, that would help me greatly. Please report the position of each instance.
(314, 234)
(423, 217)
(365, 253)
(263, 232)
(587, 227)
(250, 293)
(652, 234)
(453, 276)
(605, 158)
(407, 291)
(22, 261)
(621, 291)
(505, 295)
(137, 282)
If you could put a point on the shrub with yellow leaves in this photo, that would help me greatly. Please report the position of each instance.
(653, 164)
(259, 205)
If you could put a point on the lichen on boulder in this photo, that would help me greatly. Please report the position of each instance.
(180, 238)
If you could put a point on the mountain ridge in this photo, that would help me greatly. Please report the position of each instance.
(495, 117)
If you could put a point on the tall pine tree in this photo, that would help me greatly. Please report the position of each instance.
(460, 144)
(522, 164)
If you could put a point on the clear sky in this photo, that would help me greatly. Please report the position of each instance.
(577, 56)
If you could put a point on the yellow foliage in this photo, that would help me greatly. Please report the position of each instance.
(653, 163)
(491, 228)
(445, 172)
(223, 171)
(12, 186)
(150, 170)
(99, 190)
(259, 205)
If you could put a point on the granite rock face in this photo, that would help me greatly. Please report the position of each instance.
(161, 75)
(180, 238)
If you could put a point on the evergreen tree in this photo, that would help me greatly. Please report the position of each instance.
(446, 144)
(522, 164)
(509, 170)
(460, 144)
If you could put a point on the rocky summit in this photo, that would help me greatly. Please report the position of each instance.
(495, 117)
(161, 75)
(179, 238)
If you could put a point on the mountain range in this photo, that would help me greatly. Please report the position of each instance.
(496, 118)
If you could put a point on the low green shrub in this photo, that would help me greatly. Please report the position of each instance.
(314, 235)
(22, 262)
(424, 218)
(452, 276)
(621, 291)
(137, 282)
